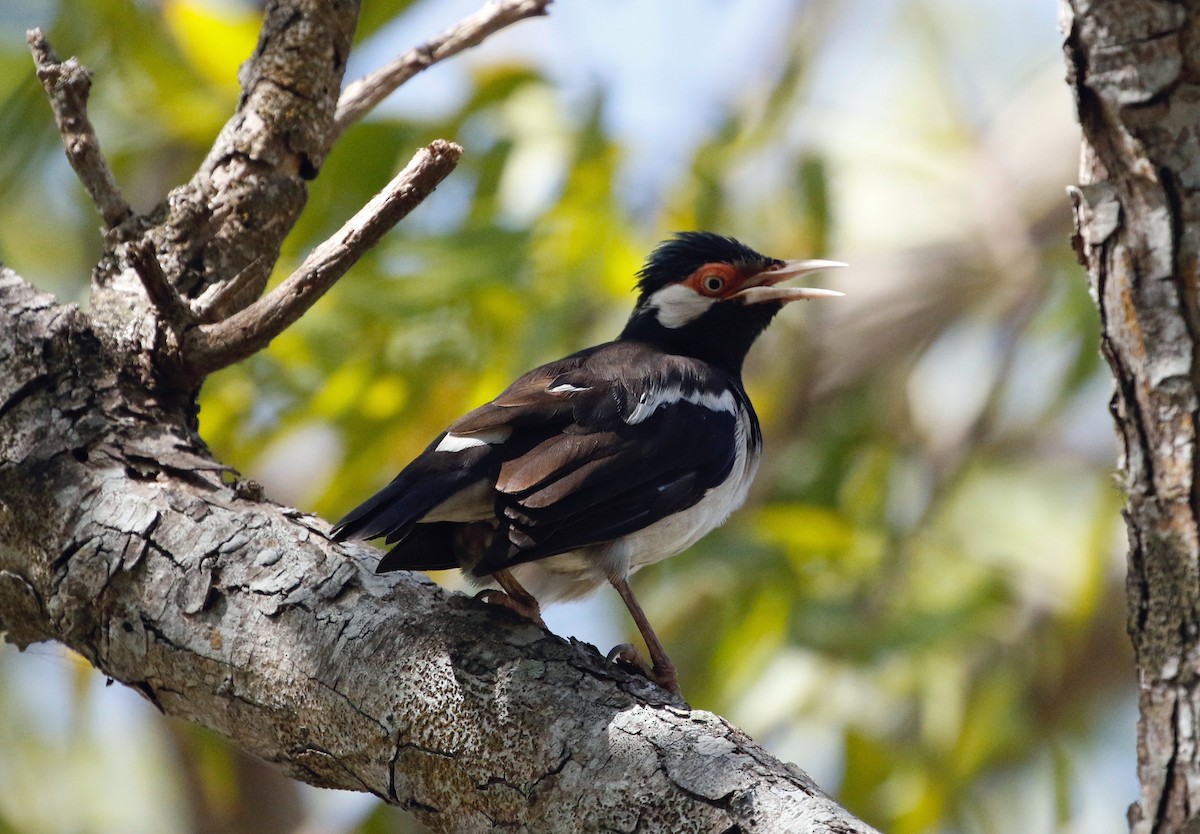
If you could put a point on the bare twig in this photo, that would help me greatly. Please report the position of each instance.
(362, 95)
(162, 295)
(214, 346)
(222, 300)
(67, 84)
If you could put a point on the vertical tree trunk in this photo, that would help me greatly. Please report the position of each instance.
(1133, 66)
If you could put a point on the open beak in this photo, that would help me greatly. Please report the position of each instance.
(762, 287)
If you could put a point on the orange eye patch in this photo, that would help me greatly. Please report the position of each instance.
(713, 280)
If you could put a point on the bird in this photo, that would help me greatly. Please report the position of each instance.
(588, 468)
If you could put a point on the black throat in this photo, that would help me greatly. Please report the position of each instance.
(722, 336)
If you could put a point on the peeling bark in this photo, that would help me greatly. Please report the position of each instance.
(123, 539)
(1135, 71)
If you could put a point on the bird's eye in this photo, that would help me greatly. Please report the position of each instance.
(713, 283)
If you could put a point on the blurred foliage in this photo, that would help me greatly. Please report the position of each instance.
(922, 601)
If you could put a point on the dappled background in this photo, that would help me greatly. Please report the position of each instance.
(922, 604)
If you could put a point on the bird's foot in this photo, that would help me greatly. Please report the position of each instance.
(627, 656)
(529, 610)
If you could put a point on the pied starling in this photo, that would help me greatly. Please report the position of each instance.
(586, 469)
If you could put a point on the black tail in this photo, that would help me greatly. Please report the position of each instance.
(389, 512)
(422, 485)
(425, 547)
(394, 511)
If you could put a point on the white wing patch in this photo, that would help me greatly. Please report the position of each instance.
(651, 401)
(455, 443)
(675, 305)
(460, 442)
(567, 388)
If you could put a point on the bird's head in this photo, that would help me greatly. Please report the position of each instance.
(708, 296)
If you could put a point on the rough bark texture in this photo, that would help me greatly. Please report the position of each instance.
(122, 538)
(1135, 71)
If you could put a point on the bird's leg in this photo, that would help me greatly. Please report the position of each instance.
(514, 597)
(662, 671)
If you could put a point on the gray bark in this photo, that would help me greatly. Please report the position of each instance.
(123, 539)
(1134, 69)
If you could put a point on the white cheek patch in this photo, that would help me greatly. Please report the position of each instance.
(677, 305)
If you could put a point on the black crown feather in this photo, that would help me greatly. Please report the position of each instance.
(685, 252)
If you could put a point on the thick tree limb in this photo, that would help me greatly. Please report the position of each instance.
(242, 616)
(67, 84)
(120, 537)
(214, 346)
(1132, 69)
(361, 96)
(250, 189)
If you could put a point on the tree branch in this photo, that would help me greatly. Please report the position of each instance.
(213, 346)
(67, 85)
(121, 539)
(222, 300)
(247, 194)
(242, 616)
(361, 96)
(170, 306)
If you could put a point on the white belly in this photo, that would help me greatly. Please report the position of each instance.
(579, 572)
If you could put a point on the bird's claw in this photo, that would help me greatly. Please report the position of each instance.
(494, 596)
(628, 657)
(626, 654)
